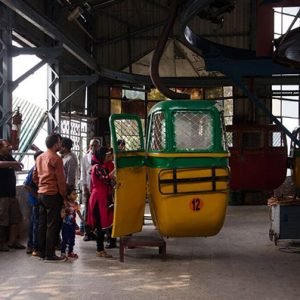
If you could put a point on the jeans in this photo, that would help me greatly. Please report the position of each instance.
(68, 237)
(33, 228)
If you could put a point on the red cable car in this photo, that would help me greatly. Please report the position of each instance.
(258, 156)
(294, 163)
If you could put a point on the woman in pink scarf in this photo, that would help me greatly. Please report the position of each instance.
(100, 216)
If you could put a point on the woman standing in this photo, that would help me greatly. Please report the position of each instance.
(110, 166)
(100, 216)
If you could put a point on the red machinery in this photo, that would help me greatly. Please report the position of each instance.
(16, 129)
(258, 157)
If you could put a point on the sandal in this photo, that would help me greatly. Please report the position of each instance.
(36, 253)
(103, 254)
(73, 255)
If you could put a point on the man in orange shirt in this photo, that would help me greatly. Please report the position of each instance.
(50, 179)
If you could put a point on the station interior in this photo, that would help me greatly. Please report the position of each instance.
(205, 93)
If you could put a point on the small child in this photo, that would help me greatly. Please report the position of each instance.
(68, 214)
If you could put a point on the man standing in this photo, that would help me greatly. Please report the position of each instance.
(86, 164)
(70, 162)
(50, 179)
(10, 214)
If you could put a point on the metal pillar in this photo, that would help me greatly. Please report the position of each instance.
(5, 72)
(53, 99)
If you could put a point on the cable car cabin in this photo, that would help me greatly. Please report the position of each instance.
(258, 156)
(186, 166)
(294, 159)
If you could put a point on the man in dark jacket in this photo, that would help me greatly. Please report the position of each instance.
(10, 214)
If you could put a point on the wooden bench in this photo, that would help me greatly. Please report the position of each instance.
(142, 241)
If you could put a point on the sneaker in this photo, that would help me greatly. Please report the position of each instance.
(54, 258)
(103, 254)
(73, 255)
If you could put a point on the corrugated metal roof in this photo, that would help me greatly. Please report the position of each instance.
(124, 43)
(33, 118)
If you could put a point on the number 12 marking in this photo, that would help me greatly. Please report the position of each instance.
(196, 204)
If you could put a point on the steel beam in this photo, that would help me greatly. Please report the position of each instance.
(42, 52)
(33, 17)
(13, 85)
(133, 33)
(73, 78)
(5, 74)
(87, 82)
(47, 27)
(113, 76)
(53, 99)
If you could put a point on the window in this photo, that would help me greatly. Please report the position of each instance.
(252, 140)
(193, 131)
(275, 139)
(158, 132)
(128, 130)
(285, 98)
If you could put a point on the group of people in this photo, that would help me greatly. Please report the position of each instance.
(52, 195)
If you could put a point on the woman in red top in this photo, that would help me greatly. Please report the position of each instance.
(100, 216)
(109, 164)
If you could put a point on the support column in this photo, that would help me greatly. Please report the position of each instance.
(5, 72)
(53, 106)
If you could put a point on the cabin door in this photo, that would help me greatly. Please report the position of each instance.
(130, 172)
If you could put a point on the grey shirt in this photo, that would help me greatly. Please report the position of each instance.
(71, 168)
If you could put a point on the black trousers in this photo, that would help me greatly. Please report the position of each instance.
(49, 222)
(100, 233)
(87, 228)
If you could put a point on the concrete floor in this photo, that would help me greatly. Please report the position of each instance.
(239, 263)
